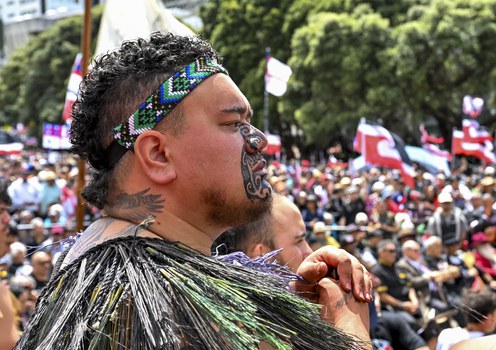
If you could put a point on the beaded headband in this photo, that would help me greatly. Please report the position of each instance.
(159, 104)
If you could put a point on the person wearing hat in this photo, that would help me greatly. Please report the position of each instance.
(312, 212)
(352, 205)
(487, 185)
(321, 237)
(50, 193)
(370, 254)
(383, 219)
(447, 221)
(25, 191)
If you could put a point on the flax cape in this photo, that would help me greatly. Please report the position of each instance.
(147, 293)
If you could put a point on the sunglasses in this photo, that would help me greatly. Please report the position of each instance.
(390, 250)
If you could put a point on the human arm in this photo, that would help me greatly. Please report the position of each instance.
(9, 335)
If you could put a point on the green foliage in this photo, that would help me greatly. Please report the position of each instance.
(402, 62)
(33, 82)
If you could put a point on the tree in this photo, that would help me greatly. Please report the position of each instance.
(241, 30)
(339, 72)
(33, 83)
(398, 63)
(443, 52)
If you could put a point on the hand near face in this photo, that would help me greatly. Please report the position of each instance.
(352, 275)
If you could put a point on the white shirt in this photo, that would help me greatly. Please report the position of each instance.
(450, 336)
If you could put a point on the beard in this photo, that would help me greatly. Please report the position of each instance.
(229, 213)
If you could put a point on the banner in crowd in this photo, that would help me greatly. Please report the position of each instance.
(72, 88)
(432, 163)
(430, 144)
(378, 146)
(55, 137)
(465, 147)
(276, 76)
(471, 132)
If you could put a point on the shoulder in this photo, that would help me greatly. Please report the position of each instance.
(482, 343)
(97, 233)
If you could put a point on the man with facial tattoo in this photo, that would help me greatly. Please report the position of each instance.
(175, 162)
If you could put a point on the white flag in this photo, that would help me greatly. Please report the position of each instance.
(131, 19)
(276, 76)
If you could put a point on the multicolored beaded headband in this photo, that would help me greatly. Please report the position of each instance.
(160, 103)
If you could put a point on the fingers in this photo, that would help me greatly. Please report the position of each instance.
(351, 273)
(361, 283)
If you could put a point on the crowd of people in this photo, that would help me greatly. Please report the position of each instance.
(430, 249)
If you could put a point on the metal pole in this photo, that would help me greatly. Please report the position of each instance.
(266, 95)
(85, 48)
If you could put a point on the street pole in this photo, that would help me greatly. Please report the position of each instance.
(266, 95)
(85, 48)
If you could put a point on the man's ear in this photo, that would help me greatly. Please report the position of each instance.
(256, 250)
(153, 157)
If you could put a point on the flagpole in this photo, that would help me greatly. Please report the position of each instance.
(266, 95)
(453, 156)
(85, 48)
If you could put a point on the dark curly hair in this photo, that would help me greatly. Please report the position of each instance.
(117, 84)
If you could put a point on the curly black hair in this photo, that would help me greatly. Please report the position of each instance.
(117, 84)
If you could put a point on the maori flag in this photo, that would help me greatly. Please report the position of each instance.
(72, 89)
(471, 132)
(483, 151)
(426, 138)
(430, 143)
(380, 147)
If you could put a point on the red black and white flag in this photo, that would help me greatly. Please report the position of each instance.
(380, 147)
(472, 132)
(430, 143)
(464, 146)
(72, 88)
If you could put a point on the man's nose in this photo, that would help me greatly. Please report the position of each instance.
(255, 140)
(5, 217)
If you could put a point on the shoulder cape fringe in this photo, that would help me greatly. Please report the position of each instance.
(143, 293)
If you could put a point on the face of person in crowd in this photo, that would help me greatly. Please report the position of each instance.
(435, 250)
(490, 233)
(412, 250)
(451, 249)
(388, 254)
(446, 206)
(288, 231)
(217, 155)
(38, 230)
(4, 228)
(381, 206)
(476, 201)
(42, 265)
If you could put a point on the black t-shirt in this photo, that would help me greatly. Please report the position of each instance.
(393, 282)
